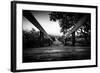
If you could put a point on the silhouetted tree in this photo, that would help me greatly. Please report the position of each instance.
(67, 21)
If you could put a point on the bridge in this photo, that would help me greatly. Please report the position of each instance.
(27, 14)
(55, 53)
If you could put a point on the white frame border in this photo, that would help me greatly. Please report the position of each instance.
(39, 65)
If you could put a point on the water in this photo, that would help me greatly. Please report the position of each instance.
(56, 53)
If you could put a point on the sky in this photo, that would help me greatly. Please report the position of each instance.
(42, 17)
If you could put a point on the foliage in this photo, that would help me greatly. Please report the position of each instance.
(67, 20)
(30, 39)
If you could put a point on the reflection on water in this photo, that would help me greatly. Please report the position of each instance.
(56, 53)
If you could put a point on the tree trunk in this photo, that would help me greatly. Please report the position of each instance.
(73, 38)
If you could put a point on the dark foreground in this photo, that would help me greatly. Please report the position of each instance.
(56, 53)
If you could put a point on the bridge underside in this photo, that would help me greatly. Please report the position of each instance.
(27, 14)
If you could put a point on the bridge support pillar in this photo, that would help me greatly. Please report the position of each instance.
(73, 38)
(41, 39)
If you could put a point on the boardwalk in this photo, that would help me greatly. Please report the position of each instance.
(56, 53)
